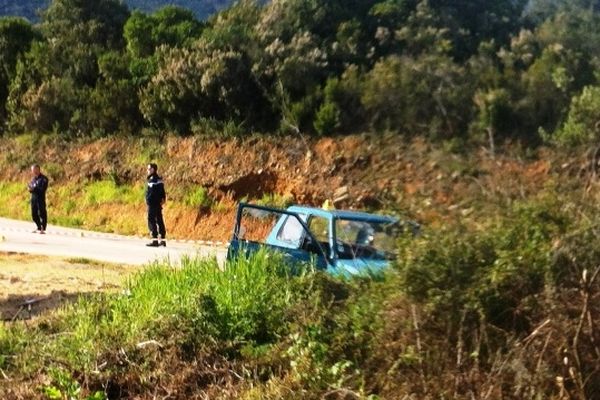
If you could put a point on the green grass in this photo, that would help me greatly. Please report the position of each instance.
(246, 310)
(246, 302)
(198, 197)
(102, 192)
(275, 200)
(14, 198)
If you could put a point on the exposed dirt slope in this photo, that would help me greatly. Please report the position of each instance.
(427, 182)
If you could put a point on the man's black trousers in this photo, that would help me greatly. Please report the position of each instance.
(39, 213)
(156, 224)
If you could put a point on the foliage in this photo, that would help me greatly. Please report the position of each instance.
(442, 69)
(490, 304)
(198, 198)
(583, 122)
(399, 94)
(491, 271)
(16, 36)
(327, 119)
(170, 26)
(65, 387)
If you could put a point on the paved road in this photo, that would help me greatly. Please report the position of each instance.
(17, 236)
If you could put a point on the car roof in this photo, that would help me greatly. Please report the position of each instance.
(343, 214)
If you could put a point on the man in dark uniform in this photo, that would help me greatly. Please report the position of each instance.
(37, 187)
(155, 199)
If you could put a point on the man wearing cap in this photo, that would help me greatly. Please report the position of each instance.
(37, 187)
(155, 199)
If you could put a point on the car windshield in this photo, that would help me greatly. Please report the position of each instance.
(363, 239)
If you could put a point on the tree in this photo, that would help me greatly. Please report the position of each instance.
(16, 36)
(538, 11)
(113, 105)
(79, 31)
(169, 26)
(428, 95)
(583, 122)
(471, 22)
(201, 82)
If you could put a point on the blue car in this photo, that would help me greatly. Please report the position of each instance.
(339, 242)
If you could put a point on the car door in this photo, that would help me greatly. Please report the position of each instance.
(285, 232)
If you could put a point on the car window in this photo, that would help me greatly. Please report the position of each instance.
(291, 232)
(365, 239)
(319, 227)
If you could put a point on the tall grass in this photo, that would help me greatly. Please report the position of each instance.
(246, 302)
(107, 191)
(14, 199)
(198, 197)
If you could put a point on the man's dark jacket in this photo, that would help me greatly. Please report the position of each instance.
(38, 187)
(155, 191)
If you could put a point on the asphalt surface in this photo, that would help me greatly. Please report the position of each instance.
(17, 237)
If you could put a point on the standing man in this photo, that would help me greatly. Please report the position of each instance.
(37, 187)
(155, 199)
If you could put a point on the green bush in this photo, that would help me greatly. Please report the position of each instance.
(198, 197)
(428, 95)
(583, 121)
(492, 271)
(210, 127)
(327, 119)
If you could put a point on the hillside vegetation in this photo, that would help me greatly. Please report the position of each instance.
(497, 299)
(98, 184)
(477, 71)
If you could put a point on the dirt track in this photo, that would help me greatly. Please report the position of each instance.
(31, 284)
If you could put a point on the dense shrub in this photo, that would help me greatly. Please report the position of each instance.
(428, 95)
(583, 122)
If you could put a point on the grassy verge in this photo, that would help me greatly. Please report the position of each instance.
(251, 320)
(494, 310)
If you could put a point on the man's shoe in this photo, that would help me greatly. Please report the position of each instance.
(163, 243)
(42, 232)
(36, 231)
(153, 243)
